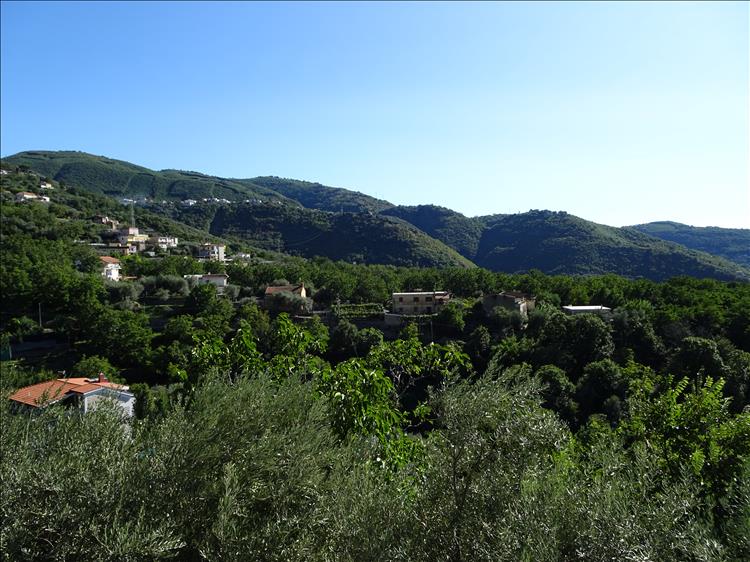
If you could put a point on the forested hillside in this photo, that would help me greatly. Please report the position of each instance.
(317, 196)
(563, 243)
(730, 243)
(122, 179)
(288, 215)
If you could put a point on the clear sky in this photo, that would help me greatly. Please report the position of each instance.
(620, 113)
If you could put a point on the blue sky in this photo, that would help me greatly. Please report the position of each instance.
(620, 113)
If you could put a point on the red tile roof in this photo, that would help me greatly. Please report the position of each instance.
(43, 393)
(109, 259)
(46, 393)
(85, 388)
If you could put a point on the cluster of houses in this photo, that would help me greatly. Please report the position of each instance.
(30, 197)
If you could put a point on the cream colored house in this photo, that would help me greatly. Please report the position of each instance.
(511, 300)
(212, 252)
(131, 236)
(416, 303)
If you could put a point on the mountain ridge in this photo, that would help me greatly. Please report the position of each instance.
(281, 214)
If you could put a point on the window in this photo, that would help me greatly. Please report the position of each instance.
(416, 299)
(428, 299)
(400, 299)
(429, 310)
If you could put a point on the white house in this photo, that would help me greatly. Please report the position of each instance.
(46, 185)
(25, 196)
(587, 309)
(163, 242)
(111, 269)
(218, 280)
(86, 394)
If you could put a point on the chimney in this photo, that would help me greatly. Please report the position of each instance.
(102, 378)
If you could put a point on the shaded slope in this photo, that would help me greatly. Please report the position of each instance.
(561, 243)
(354, 237)
(318, 196)
(450, 227)
(730, 243)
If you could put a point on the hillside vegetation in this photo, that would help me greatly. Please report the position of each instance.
(122, 179)
(317, 196)
(730, 243)
(353, 237)
(563, 243)
(306, 219)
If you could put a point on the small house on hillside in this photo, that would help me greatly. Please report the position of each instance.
(218, 280)
(210, 251)
(111, 268)
(510, 300)
(163, 242)
(85, 394)
(27, 196)
(130, 236)
(587, 309)
(417, 303)
(287, 298)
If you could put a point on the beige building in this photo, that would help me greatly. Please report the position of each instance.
(511, 300)
(131, 236)
(212, 252)
(416, 303)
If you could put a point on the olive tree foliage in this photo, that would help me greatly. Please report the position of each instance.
(240, 474)
(503, 479)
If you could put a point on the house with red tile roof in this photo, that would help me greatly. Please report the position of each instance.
(79, 392)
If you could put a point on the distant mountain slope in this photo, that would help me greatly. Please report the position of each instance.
(562, 243)
(358, 237)
(303, 218)
(122, 179)
(454, 229)
(72, 211)
(317, 196)
(730, 243)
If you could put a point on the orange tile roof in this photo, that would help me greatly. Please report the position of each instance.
(109, 259)
(85, 388)
(42, 394)
(46, 393)
(75, 380)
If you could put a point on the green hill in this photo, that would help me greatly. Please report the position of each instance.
(454, 229)
(324, 198)
(122, 179)
(72, 215)
(305, 218)
(730, 243)
(354, 237)
(562, 243)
